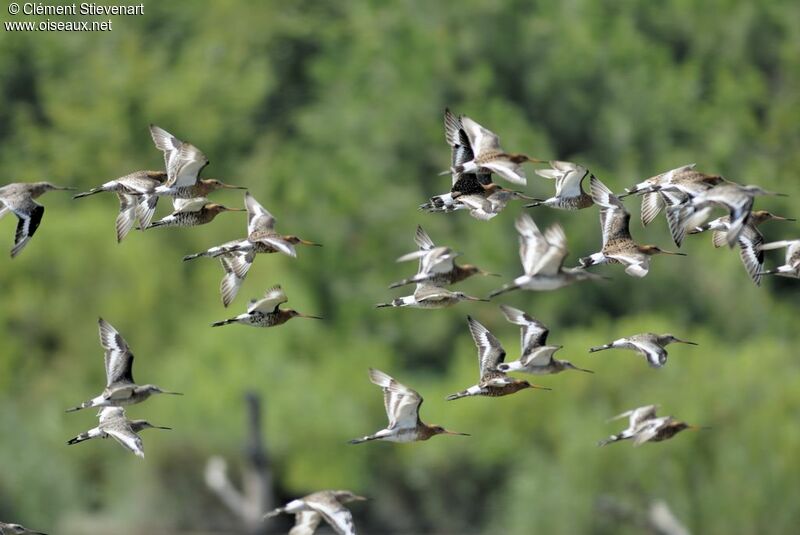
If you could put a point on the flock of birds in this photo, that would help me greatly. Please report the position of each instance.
(688, 197)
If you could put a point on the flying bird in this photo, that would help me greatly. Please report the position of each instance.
(18, 198)
(535, 356)
(115, 423)
(183, 163)
(310, 510)
(682, 182)
(120, 389)
(618, 245)
(791, 266)
(267, 311)
(542, 256)
(436, 265)
(193, 212)
(488, 155)
(750, 239)
(137, 198)
(16, 529)
(138, 191)
(473, 190)
(428, 296)
(645, 426)
(462, 183)
(402, 409)
(492, 382)
(650, 345)
(238, 255)
(569, 179)
(736, 199)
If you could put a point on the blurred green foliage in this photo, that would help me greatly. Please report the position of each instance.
(331, 114)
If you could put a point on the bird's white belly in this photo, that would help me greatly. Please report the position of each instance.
(402, 435)
(538, 370)
(539, 283)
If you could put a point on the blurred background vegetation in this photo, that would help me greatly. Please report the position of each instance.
(330, 112)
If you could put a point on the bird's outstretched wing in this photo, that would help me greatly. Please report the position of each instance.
(269, 303)
(402, 403)
(533, 333)
(183, 161)
(29, 213)
(305, 523)
(118, 355)
(258, 218)
(490, 352)
(335, 514)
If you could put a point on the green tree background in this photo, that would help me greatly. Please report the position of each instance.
(331, 114)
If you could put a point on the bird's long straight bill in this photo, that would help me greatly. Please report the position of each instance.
(674, 253)
(309, 316)
(471, 298)
(539, 387)
(314, 244)
(536, 203)
(505, 289)
(229, 186)
(172, 393)
(457, 433)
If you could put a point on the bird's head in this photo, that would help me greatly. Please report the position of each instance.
(651, 250)
(472, 269)
(522, 158)
(218, 208)
(491, 187)
(294, 240)
(465, 297)
(213, 184)
(712, 180)
(670, 338)
(570, 366)
(346, 496)
(144, 424)
(295, 314)
(38, 188)
(153, 389)
(439, 430)
(526, 384)
(760, 216)
(16, 529)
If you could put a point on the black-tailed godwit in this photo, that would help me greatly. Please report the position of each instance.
(650, 345)
(115, 423)
(326, 505)
(266, 312)
(402, 409)
(492, 382)
(18, 198)
(121, 388)
(618, 245)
